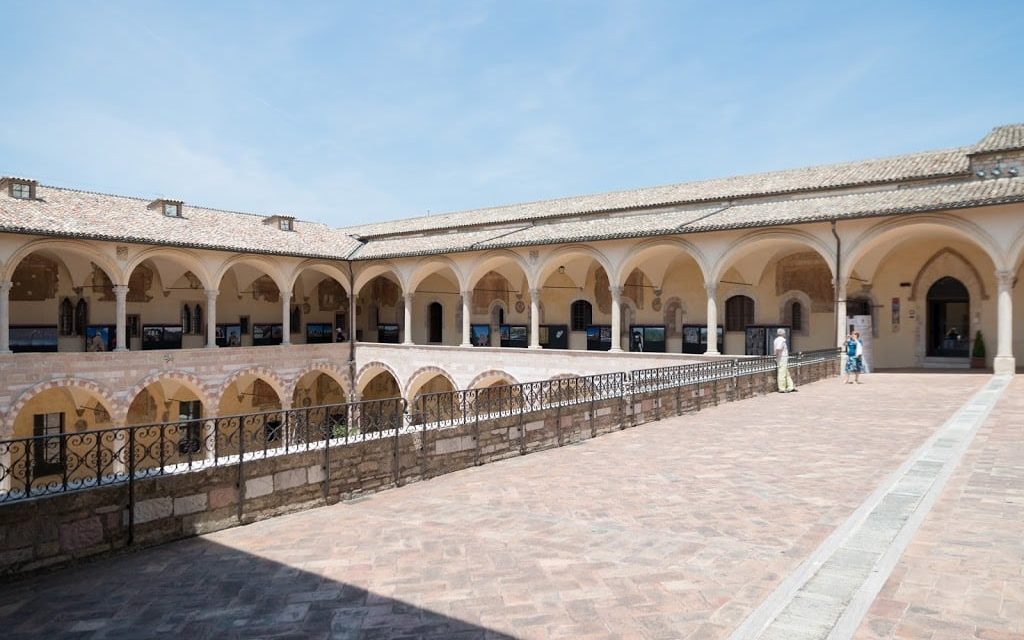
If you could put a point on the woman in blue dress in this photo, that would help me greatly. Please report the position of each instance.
(854, 357)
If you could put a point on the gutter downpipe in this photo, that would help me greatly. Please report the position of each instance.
(351, 333)
(835, 303)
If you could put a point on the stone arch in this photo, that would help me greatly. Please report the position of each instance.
(1016, 253)
(326, 268)
(338, 373)
(948, 259)
(803, 238)
(60, 246)
(877, 234)
(551, 262)
(435, 264)
(945, 262)
(371, 369)
(423, 375)
(490, 377)
(637, 255)
(268, 376)
(382, 268)
(487, 261)
(183, 257)
(186, 379)
(786, 314)
(115, 409)
(264, 265)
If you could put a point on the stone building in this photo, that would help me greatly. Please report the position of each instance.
(117, 310)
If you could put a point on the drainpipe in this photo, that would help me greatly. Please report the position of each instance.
(351, 332)
(835, 287)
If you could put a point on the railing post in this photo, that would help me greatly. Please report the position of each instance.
(241, 472)
(327, 452)
(397, 458)
(476, 427)
(131, 486)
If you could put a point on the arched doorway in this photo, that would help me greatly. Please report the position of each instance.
(436, 315)
(949, 315)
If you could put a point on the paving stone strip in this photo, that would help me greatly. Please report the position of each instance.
(827, 596)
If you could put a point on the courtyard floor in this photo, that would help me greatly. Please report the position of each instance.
(713, 525)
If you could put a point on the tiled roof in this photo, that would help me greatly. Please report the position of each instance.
(918, 166)
(1003, 138)
(82, 214)
(927, 181)
(755, 214)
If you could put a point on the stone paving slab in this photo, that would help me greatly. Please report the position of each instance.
(676, 529)
(962, 576)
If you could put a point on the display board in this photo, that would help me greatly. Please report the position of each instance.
(267, 334)
(387, 333)
(100, 337)
(599, 337)
(515, 335)
(480, 335)
(647, 338)
(319, 332)
(161, 336)
(554, 336)
(695, 338)
(760, 339)
(38, 338)
(228, 335)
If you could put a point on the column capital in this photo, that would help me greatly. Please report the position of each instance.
(5, 287)
(211, 294)
(616, 291)
(1004, 278)
(711, 288)
(467, 294)
(409, 296)
(120, 289)
(535, 293)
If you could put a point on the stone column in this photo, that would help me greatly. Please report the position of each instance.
(5, 317)
(121, 313)
(211, 318)
(286, 317)
(712, 291)
(409, 299)
(1004, 363)
(467, 308)
(535, 318)
(616, 318)
(842, 329)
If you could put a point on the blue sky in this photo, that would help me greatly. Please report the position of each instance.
(364, 111)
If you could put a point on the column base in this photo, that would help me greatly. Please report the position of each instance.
(712, 353)
(1004, 365)
(465, 344)
(615, 350)
(534, 346)
(408, 344)
(117, 349)
(212, 346)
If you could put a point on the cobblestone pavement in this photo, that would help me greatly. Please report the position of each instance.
(675, 529)
(963, 575)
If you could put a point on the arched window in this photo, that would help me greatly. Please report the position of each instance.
(81, 316)
(796, 316)
(66, 321)
(435, 315)
(739, 312)
(197, 320)
(581, 314)
(186, 319)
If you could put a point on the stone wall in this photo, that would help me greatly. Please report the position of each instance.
(61, 529)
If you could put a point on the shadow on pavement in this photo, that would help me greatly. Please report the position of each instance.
(199, 589)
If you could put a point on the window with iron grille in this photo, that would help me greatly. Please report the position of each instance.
(582, 315)
(796, 316)
(739, 312)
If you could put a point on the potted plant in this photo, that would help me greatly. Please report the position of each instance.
(978, 352)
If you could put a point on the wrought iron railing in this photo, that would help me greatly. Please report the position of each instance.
(48, 464)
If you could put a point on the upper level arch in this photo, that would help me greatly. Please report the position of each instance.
(557, 259)
(436, 265)
(759, 248)
(661, 250)
(323, 267)
(67, 252)
(258, 263)
(503, 261)
(879, 239)
(185, 260)
(383, 268)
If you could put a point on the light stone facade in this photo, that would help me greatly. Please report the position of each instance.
(806, 243)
